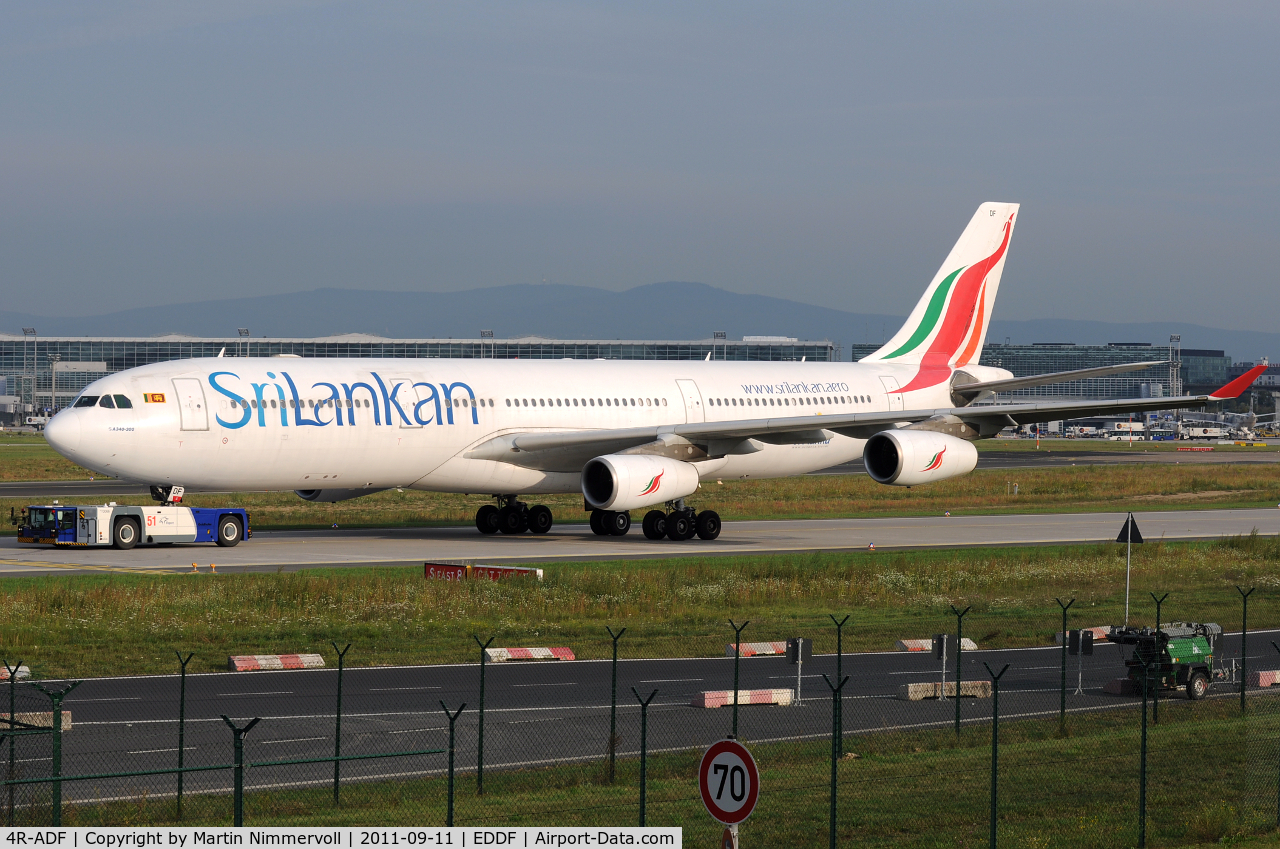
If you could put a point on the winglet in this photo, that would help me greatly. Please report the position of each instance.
(1237, 387)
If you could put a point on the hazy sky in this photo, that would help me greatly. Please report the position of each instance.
(830, 153)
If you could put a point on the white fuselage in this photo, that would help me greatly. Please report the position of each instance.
(307, 424)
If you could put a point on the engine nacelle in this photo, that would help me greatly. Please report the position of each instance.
(627, 481)
(911, 457)
(331, 495)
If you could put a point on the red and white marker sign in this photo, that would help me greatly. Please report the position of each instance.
(729, 781)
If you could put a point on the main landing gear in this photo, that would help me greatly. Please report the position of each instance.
(513, 517)
(679, 524)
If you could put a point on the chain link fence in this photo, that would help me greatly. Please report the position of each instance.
(858, 741)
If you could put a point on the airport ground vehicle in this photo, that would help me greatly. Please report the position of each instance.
(125, 527)
(1179, 654)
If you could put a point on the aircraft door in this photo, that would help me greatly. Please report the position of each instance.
(409, 396)
(893, 391)
(692, 401)
(191, 404)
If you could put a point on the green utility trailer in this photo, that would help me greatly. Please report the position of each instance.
(1179, 654)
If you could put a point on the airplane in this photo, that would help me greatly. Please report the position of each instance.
(626, 435)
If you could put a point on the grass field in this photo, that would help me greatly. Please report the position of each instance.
(72, 625)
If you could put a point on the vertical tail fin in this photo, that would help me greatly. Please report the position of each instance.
(949, 325)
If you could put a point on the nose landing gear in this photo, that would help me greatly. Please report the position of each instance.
(513, 517)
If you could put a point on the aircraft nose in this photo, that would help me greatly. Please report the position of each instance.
(63, 433)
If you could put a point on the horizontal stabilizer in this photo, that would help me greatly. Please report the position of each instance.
(970, 390)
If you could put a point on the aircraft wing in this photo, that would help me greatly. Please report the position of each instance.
(568, 450)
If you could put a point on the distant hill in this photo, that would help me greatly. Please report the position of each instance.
(655, 311)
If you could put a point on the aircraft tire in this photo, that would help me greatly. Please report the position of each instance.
(540, 519)
(597, 523)
(511, 521)
(229, 531)
(125, 534)
(679, 526)
(708, 525)
(654, 525)
(617, 523)
(487, 519)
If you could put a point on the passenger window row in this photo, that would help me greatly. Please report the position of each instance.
(798, 401)
(586, 402)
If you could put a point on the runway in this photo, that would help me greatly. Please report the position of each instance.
(272, 551)
(544, 713)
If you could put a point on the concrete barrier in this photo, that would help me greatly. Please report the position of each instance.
(724, 698)
(19, 673)
(757, 649)
(258, 662)
(504, 655)
(968, 689)
(40, 720)
(927, 645)
(1268, 678)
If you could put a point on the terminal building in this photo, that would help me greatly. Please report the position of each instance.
(40, 374)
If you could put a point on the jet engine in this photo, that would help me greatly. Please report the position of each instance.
(627, 481)
(331, 495)
(911, 457)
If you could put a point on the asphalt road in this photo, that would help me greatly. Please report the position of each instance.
(291, 550)
(536, 714)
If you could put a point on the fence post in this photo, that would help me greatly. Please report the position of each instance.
(337, 723)
(1142, 764)
(839, 676)
(13, 680)
(1244, 642)
(1062, 696)
(238, 741)
(836, 741)
(995, 744)
(480, 736)
(453, 717)
(1277, 648)
(644, 749)
(1155, 694)
(613, 706)
(737, 653)
(56, 698)
(959, 650)
(182, 723)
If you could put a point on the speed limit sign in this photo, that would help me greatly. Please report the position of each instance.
(729, 781)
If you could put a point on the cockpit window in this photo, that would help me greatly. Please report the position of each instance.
(87, 401)
(107, 402)
(123, 402)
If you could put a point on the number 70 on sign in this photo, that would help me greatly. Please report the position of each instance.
(729, 782)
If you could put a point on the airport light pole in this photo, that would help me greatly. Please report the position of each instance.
(243, 333)
(54, 359)
(719, 336)
(486, 334)
(30, 333)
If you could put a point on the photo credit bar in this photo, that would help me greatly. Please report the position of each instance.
(350, 838)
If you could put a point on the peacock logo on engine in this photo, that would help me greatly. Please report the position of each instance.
(936, 462)
(654, 483)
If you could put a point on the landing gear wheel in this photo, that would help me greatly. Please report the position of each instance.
(708, 524)
(598, 523)
(1197, 686)
(512, 520)
(655, 524)
(229, 532)
(618, 523)
(679, 526)
(540, 519)
(487, 519)
(126, 534)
